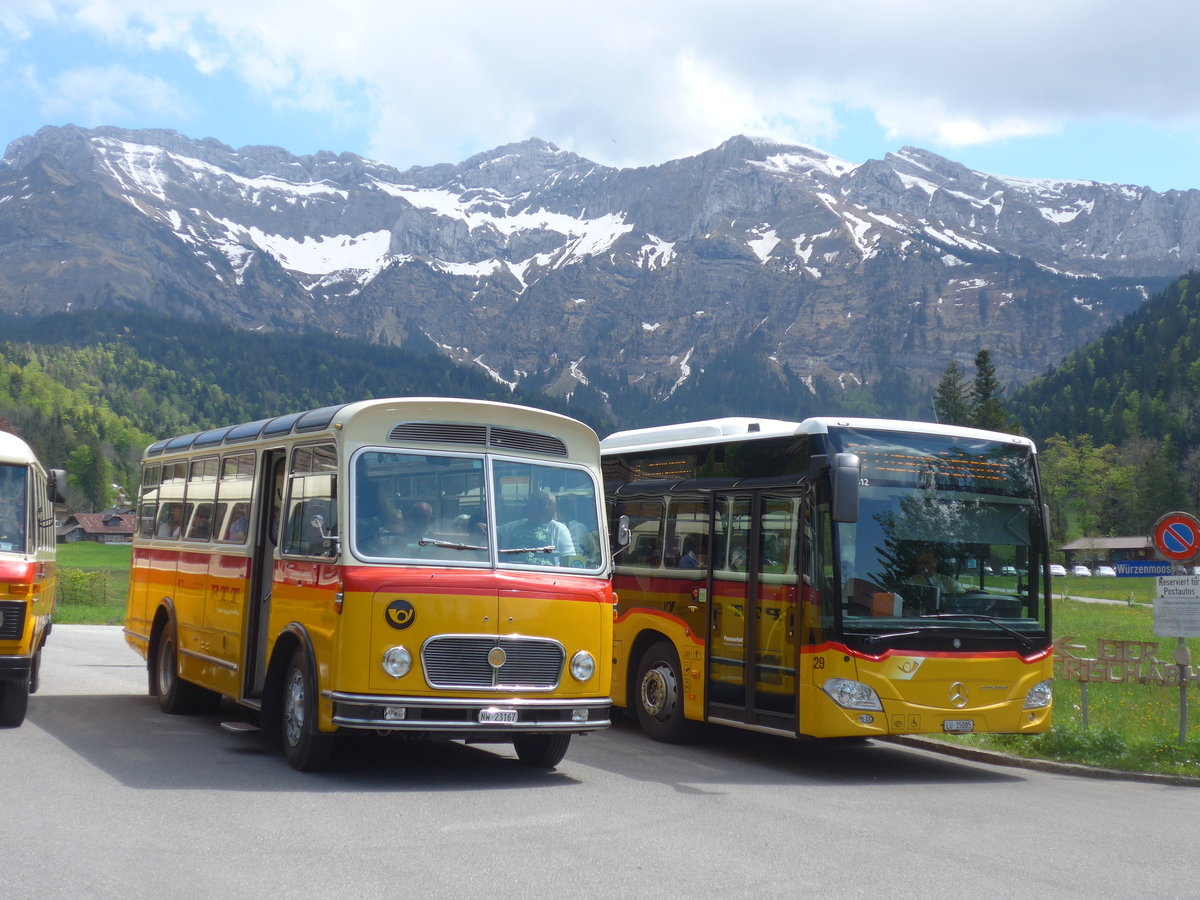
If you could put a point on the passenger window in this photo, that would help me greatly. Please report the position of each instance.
(312, 502)
(687, 535)
(646, 526)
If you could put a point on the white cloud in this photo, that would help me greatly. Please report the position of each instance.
(98, 96)
(635, 83)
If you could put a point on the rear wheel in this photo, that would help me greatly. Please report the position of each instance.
(541, 751)
(177, 697)
(14, 701)
(660, 695)
(305, 747)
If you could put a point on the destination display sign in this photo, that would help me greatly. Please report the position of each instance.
(1142, 568)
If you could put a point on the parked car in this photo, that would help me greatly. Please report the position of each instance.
(1008, 570)
(1106, 571)
(1081, 571)
(1057, 570)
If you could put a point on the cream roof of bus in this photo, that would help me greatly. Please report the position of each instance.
(385, 414)
(743, 428)
(13, 449)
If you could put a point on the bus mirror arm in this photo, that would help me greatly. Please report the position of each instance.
(329, 538)
(845, 470)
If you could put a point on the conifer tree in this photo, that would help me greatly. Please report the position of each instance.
(951, 398)
(986, 409)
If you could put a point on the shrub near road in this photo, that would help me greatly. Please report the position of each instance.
(93, 583)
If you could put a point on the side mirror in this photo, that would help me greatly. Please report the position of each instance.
(624, 534)
(56, 485)
(844, 474)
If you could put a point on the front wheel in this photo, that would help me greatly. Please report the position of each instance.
(541, 751)
(177, 697)
(14, 701)
(305, 747)
(660, 695)
(35, 672)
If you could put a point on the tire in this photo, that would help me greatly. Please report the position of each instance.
(176, 697)
(14, 702)
(541, 751)
(306, 748)
(35, 671)
(659, 695)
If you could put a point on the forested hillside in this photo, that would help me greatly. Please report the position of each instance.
(1119, 420)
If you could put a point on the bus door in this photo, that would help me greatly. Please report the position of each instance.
(262, 569)
(753, 613)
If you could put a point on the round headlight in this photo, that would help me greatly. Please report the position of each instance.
(583, 666)
(397, 662)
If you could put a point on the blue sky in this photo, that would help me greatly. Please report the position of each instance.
(1086, 89)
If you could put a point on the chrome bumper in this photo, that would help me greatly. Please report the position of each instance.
(462, 716)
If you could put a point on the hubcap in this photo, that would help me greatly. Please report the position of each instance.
(293, 707)
(166, 666)
(660, 693)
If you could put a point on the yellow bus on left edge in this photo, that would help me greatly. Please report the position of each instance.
(27, 573)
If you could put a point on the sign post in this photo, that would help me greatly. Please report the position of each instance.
(1177, 598)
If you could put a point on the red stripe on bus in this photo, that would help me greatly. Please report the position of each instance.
(935, 654)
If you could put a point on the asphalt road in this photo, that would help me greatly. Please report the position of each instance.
(108, 797)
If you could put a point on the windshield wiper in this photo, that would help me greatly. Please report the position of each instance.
(449, 545)
(870, 638)
(1025, 640)
(549, 548)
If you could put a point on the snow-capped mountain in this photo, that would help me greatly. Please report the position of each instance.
(529, 258)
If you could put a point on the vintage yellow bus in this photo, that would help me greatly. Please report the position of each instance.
(28, 493)
(426, 566)
(829, 578)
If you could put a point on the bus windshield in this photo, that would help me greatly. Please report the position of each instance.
(474, 510)
(12, 508)
(948, 528)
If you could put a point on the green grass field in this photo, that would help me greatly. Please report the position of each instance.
(1129, 726)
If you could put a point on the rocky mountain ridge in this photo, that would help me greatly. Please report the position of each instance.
(529, 259)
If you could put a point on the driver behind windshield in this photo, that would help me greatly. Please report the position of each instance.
(925, 571)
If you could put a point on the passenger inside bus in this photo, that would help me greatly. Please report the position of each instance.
(418, 522)
(201, 528)
(11, 529)
(168, 526)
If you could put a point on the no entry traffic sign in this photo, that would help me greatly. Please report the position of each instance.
(1177, 536)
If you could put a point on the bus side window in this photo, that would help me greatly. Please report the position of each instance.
(646, 524)
(200, 528)
(687, 535)
(312, 495)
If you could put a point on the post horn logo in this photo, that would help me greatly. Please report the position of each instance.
(400, 614)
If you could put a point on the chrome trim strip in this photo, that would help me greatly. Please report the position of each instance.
(742, 725)
(135, 634)
(224, 664)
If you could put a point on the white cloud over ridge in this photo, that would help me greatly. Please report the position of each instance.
(633, 83)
